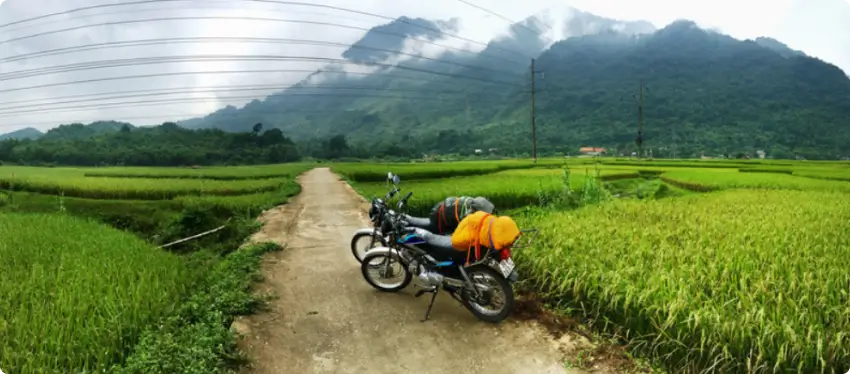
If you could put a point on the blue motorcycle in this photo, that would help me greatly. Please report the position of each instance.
(483, 286)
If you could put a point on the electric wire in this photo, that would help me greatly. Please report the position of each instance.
(325, 6)
(192, 90)
(231, 39)
(141, 103)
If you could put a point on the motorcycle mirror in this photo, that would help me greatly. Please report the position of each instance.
(396, 179)
(389, 175)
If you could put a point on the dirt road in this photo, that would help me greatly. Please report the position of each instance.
(327, 319)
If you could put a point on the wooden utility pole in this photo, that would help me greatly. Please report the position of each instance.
(639, 140)
(533, 126)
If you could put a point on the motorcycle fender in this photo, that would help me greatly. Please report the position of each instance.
(514, 277)
(364, 231)
(383, 250)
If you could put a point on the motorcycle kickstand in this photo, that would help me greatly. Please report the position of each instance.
(433, 292)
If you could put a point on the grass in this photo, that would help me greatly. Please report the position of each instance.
(196, 338)
(737, 281)
(77, 294)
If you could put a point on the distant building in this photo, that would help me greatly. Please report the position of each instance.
(591, 151)
(760, 153)
(478, 151)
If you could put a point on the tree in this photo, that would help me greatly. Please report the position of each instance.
(257, 128)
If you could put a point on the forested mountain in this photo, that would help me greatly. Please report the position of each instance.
(25, 133)
(706, 92)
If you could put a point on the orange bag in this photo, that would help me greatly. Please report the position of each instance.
(484, 230)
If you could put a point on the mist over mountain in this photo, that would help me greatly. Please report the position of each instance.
(487, 74)
(392, 36)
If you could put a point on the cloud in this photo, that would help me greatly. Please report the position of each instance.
(749, 19)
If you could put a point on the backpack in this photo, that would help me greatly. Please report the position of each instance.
(482, 229)
(447, 214)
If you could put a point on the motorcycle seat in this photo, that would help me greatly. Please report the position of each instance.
(422, 223)
(440, 246)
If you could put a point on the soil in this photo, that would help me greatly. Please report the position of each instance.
(327, 319)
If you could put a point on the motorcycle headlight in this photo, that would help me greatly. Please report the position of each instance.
(374, 214)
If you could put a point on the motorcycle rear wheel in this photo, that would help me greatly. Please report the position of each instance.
(378, 262)
(497, 284)
(358, 252)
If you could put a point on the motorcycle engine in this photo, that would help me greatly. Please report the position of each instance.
(426, 278)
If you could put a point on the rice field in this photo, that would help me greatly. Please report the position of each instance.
(75, 293)
(144, 184)
(743, 275)
(701, 181)
(739, 280)
(211, 173)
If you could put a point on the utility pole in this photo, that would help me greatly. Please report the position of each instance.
(639, 140)
(533, 126)
(674, 141)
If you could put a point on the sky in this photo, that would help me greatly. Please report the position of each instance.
(820, 28)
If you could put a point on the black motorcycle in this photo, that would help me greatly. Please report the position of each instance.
(382, 217)
(483, 286)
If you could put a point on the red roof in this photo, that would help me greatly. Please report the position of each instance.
(591, 149)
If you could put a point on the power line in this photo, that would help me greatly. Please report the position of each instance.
(190, 7)
(441, 32)
(156, 75)
(253, 19)
(213, 89)
(231, 39)
(218, 58)
(77, 108)
(122, 119)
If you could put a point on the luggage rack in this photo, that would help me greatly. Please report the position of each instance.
(525, 240)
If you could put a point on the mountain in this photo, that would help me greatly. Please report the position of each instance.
(706, 91)
(81, 131)
(25, 133)
(404, 100)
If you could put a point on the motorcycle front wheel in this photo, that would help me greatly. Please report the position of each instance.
(361, 243)
(497, 296)
(379, 268)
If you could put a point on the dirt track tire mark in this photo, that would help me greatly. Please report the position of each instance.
(327, 319)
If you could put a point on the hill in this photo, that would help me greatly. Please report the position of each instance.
(81, 131)
(25, 133)
(164, 145)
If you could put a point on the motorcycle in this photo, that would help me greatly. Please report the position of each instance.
(438, 265)
(382, 217)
